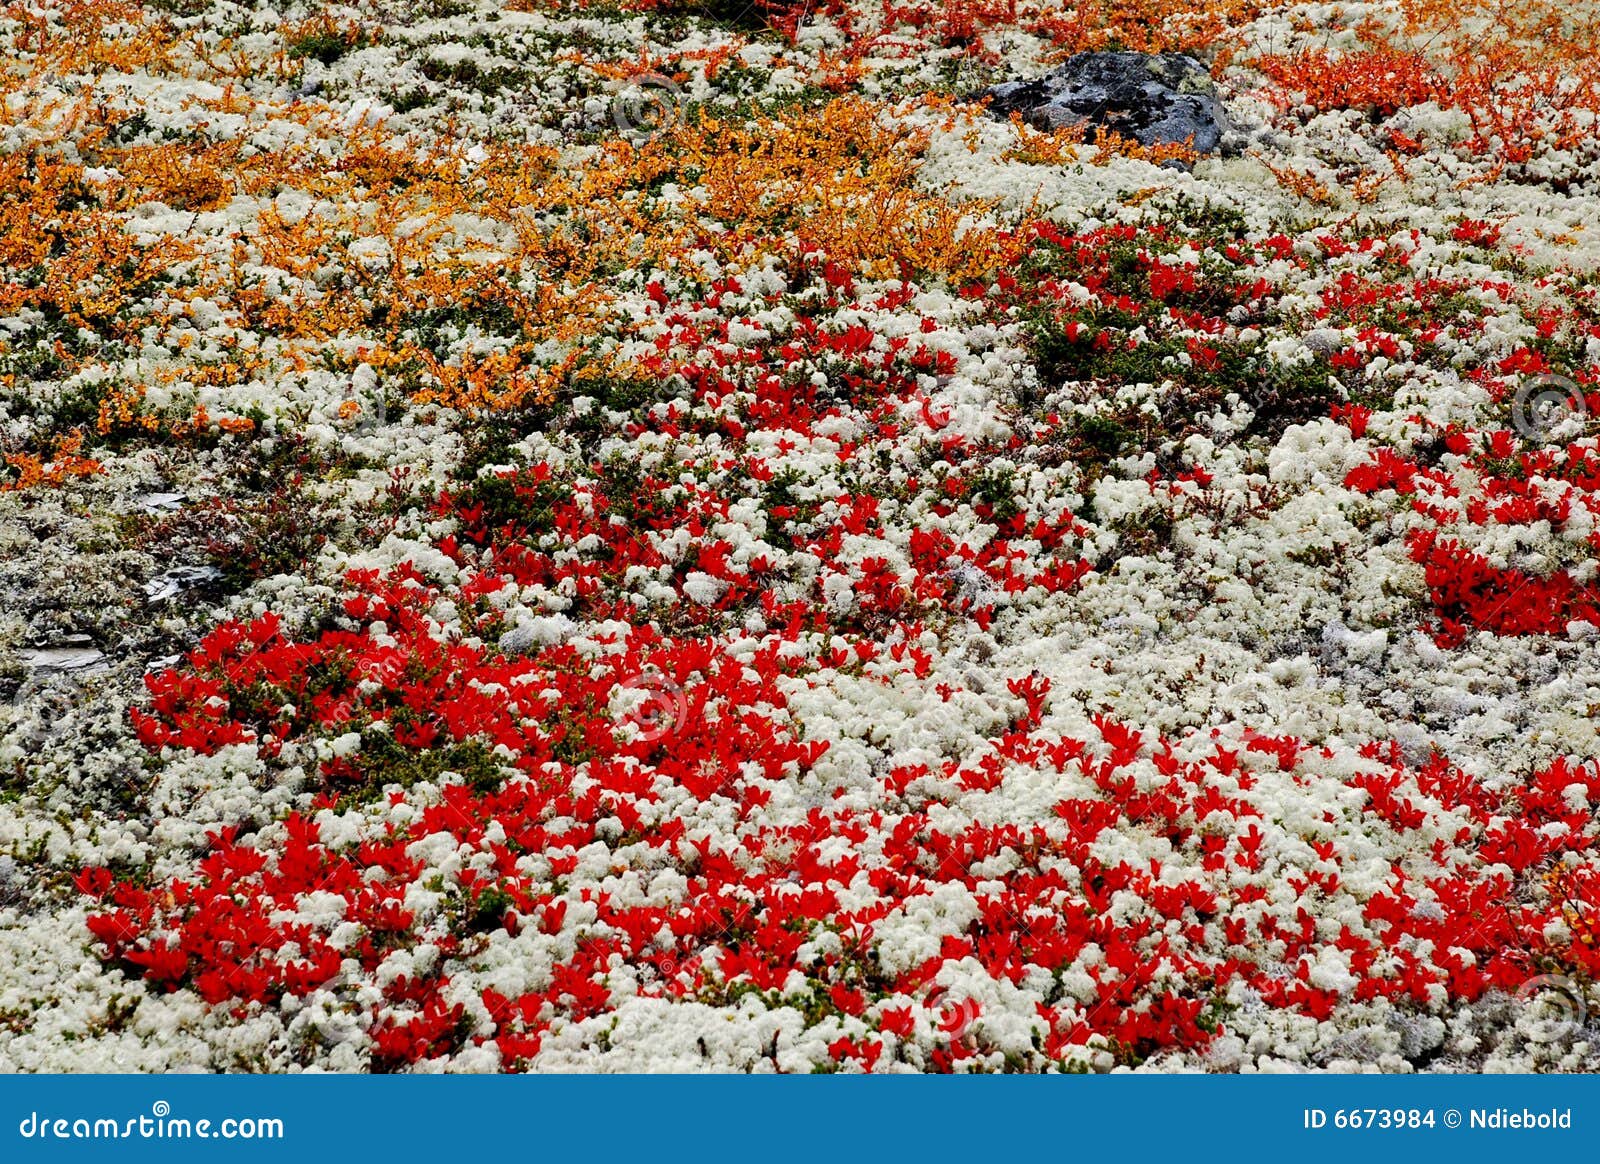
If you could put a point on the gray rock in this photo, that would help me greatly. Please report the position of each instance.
(1156, 99)
(156, 503)
(72, 653)
(175, 581)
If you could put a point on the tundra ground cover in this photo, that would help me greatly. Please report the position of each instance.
(660, 537)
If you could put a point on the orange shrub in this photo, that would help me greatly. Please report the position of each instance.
(1381, 80)
(65, 463)
(1526, 74)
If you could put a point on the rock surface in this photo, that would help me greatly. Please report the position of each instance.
(1156, 99)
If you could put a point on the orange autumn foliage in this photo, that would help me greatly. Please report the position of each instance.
(65, 463)
(1065, 146)
(1527, 74)
(412, 228)
(1381, 80)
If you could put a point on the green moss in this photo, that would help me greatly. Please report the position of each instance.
(517, 500)
(996, 489)
(382, 762)
(489, 911)
(468, 74)
(411, 100)
(1105, 436)
(327, 45)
